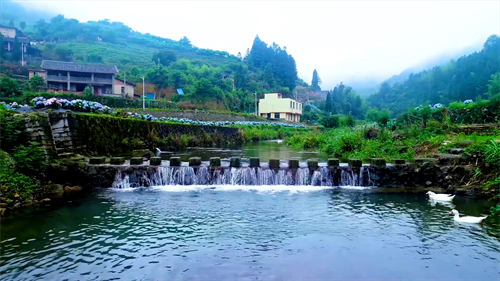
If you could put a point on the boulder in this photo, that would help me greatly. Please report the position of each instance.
(155, 161)
(72, 188)
(312, 164)
(175, 161)
(274, 164)
(136, 160)
(333, 162)
(293, 163)
(215, 162)
(235, 162)
(254, 162)
(55, 189)
(195, 161)
(355, 163)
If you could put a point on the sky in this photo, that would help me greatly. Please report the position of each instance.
(343, 41)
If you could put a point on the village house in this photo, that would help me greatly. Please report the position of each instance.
(75, 77)
(273, 106)
(9, 35)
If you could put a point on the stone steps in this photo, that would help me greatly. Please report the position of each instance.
(66, 155)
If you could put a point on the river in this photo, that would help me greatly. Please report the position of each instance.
(251, 233)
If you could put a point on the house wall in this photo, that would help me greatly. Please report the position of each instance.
(118, 85)
(288, 108)
(8, 32)
(39, 73)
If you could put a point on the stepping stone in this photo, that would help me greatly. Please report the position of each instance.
(97, 160)
(136, 161)
(456, 150)
(117, 161)
(398, 161)
(274, 164)
(155, 161)
(378, 162)
(254, 162)
(356, 163)
(293, 163)
(235, 162)
(312, 164)
(333, 162)
(215, 162)
(175, 161)
(194, 161)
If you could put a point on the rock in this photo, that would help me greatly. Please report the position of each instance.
(425, 160)
(45, 200)
(55, 189)
(378, 162)
(254, 162)
(142, 153)
(428, 183)
(155, 161)
(355, 163)
(195, 161)
(293, 163)
(136, 161)
(312, 164)
(447, 159)
(274, 164)
(72, 188)
(456, 150)
(17, 205)
(215, 162)
(235, 162)
(117, 161)
(175, 161)
(333, 162)
(97, 160)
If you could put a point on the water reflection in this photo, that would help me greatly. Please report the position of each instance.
(226, 235)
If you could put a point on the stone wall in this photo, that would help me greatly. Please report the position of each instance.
(38, 128)
(199, 116)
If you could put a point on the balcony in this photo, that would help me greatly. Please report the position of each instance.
(75, 79)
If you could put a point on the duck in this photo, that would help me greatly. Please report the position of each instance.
(440, 197)
(157, 151)
(467, 219)
(279, 141)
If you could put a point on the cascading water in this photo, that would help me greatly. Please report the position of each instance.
(245, 176)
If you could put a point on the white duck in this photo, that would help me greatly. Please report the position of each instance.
(440, 197)
(279, 141)
(467, 219)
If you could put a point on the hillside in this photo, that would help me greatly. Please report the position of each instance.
(465, 78)
(210, 79)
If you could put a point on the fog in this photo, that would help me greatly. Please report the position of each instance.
(344, 41)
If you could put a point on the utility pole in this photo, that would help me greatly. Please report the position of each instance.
(22, 54)
(143, 94)
(125, 84)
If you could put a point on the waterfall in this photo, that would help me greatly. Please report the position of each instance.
(202, 175)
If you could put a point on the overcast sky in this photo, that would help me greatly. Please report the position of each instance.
(342, 40)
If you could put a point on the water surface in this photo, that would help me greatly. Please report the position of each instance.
(251, 233)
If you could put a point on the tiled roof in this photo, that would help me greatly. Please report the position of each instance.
(71, 66)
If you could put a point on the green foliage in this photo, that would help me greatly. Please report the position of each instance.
(343, 100)
(347, 121)
(36, 83)
(87, 92)
(29, 160)
(332, 121)
(64, 53)
(165, 57)
(12, 130)
(479, 112)
(9, 87)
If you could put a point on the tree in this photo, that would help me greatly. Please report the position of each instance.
(185, 41)
(16, 50)
(2, 51)
(9, 87)
(166, 57)
(63, 53)
(316, 81)
(22, 25)
(328, 102)
(239, 56)
(36, 83)
(11, 23)
(95, 58)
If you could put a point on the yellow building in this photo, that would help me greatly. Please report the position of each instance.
(274, 106)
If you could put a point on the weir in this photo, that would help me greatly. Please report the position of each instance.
(252, 176)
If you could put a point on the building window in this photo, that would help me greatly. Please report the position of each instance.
(276, 116)
(269, 116)
(123, 90)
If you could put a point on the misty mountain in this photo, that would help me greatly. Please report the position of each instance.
(13, 11)
(368, 86)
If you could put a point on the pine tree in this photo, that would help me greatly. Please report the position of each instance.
(316, 81)
(328, 103)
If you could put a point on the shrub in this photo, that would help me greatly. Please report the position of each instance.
(371, 132)
(347, 121)
(29, 160)
(12, 130)
(9, 87)
(331, 121)
(14, 184)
